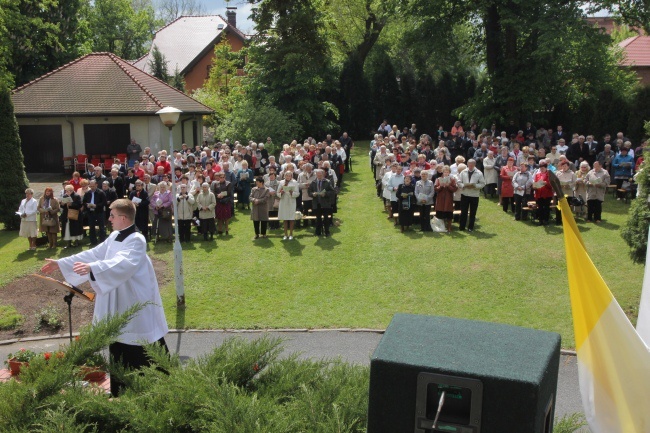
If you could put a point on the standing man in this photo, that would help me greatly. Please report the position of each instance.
(471, 182)
(347, 143)
(321, 191)
(121, 274)
(133, 152)
(95, 201)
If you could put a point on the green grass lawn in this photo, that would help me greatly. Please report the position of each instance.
(506, 271)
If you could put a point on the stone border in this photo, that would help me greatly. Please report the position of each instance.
(566, 352)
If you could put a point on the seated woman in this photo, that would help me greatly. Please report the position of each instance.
(76, 180)
(406, 203)
(445, 187)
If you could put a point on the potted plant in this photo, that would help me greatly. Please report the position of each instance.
(19, 359)
(93, 369)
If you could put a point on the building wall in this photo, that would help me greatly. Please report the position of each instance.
(147, 131)
(643, 74)
(197, 75)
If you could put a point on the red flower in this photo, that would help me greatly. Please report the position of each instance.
(256, 367)
(47, 356)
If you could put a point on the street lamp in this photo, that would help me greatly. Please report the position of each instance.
(169, 116)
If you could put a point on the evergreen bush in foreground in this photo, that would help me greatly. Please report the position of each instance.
(12, 168)
(240, 387)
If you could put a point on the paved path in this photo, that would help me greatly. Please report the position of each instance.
(355, 347)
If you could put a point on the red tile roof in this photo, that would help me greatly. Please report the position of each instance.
(637, 51)
(99, 84)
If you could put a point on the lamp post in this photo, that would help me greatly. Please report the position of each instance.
(169, 116)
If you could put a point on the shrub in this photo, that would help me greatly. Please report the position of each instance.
(50, 317)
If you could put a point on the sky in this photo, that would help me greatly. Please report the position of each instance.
(243, 11)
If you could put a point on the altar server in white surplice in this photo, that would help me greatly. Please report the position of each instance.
(122, 275)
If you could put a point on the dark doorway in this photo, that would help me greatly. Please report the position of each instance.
(42, 147)
(106, 139)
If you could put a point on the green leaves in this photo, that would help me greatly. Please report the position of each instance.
(119, 27)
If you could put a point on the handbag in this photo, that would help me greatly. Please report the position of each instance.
(166, 214)
(276, 203)
(73, 214)
(47, 221)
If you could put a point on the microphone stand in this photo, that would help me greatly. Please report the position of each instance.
(68, 300)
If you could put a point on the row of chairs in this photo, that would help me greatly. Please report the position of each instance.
(81, 161)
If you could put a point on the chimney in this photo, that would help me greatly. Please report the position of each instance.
(231, 15)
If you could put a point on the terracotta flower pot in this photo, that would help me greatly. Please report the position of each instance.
(15, 366)
(93, 374)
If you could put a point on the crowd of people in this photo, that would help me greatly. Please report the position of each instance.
(449, 170)
(212, 182)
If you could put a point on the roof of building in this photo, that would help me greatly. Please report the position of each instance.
(186, 40)
(99, 84)
(637, 51)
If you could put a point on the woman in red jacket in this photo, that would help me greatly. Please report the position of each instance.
(543, 193)
(507, 191)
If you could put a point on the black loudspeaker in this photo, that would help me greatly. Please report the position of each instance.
(495, 378)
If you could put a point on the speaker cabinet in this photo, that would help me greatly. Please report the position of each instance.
(495, 378)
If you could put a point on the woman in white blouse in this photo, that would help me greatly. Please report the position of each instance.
(288, 192)
(28, 210)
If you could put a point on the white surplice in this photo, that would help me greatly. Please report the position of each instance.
(123, 275)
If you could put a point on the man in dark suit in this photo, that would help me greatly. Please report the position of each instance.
(348, 143)
(116, 182)
(95, 202)
(559, 133)
(99, 176)
(321, 190)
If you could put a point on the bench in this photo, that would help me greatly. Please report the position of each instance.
(625, 193)
(612, 187)
(432, 213)
(304, 217)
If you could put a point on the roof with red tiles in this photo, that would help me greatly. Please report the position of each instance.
(637, 51)
(99, 84)
(186, 40)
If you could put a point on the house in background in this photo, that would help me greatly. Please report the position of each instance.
(94, 105)
(637, 57)
(188, 45)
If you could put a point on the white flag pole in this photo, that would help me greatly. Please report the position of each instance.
(643, 322)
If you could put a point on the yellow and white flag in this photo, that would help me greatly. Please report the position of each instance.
(613, 361)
